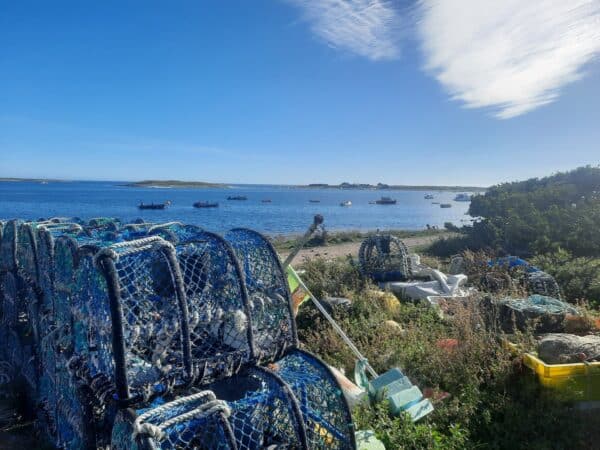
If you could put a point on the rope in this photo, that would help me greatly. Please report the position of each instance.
(336, 327)
(157, 432)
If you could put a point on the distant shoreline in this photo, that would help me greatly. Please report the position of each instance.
(393, 187)
(175, 184)
(204, 184)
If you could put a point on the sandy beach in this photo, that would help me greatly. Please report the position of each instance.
(351, 248)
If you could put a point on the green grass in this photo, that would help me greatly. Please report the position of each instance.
(494, 402)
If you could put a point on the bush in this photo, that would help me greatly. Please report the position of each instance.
(578, 277)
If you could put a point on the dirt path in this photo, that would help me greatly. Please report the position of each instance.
(351, 248)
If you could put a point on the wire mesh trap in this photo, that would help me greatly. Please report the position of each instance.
(111, 330)
(273, 324)
(384, 257)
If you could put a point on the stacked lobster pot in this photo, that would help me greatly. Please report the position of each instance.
(161, 336)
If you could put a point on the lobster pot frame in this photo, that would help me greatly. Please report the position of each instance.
(252, 410)
(28, 298)
(73, 413)
(384, 257)
(542, 283)
(10, 342)
(324, 408)
(273, 324)
(197, 421)
(219, 317)
(46, 352)
(150, 335)
(8, 246)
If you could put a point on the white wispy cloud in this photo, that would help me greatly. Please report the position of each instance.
(368, 28)
(508, 55)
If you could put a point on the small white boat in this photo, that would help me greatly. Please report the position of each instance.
(346, 203)
(428, 197)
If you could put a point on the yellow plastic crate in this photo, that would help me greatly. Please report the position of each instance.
(577, 382)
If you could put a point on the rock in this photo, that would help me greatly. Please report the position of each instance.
(332, 304)
(393, 327)
(568, 348)
(387, 300)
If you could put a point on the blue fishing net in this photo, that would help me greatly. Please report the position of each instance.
(273, 324)
(109, 322)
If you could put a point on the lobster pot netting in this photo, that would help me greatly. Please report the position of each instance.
(322, 402)
(12, 355)
(197, 421)
(384, 257)
(175, 232)
(8, 246)
(149, 317)
(28, 296)
(273, 325)
(266, 414)
(217, 302)
(72, 416)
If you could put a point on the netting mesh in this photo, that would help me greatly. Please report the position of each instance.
(322, 402)
(73, 416)
(219, 320)
(267, 414)
(197, 421)
(273, 325)
(152, 317)
(11, 343)
(384, 257)
(98, 316)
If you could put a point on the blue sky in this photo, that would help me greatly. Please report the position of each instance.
(299, 91)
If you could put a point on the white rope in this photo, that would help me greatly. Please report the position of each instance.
(335, 326)
(211, 407)
(137, 242)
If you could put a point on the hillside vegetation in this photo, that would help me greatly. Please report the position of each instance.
(494, 401)
(554, 220)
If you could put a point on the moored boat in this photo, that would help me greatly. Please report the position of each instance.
(445, 205)
(386, 201)
(266, 200)
(346, 203)
(153, 205)
(206, 205)
(428, 196)
(314, 201)
(237, 197)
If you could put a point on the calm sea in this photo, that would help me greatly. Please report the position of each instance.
(288, 212)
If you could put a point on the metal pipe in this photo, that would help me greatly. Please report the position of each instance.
(317, 220)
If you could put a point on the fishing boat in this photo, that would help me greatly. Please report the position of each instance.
(445, 205)
(237, 197)
(462, 197)
(346, 203)
(164, 205)
(206, 205)
(428, 196)
(386, 201)
(314, 201)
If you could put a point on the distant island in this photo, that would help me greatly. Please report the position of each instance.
(175, 184)
(29, 180)
(382, 186)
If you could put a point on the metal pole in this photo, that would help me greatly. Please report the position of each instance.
(336, 327)
(318, 220)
